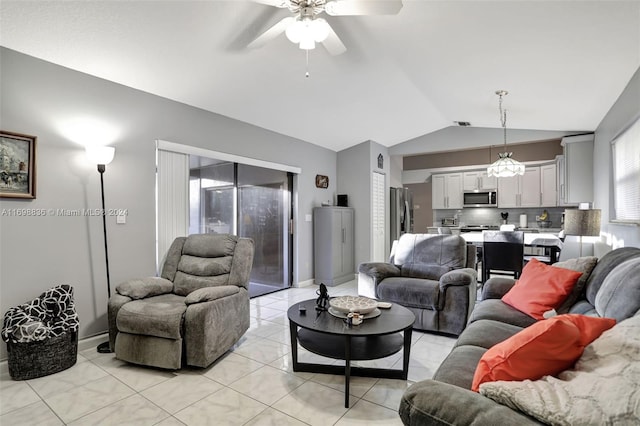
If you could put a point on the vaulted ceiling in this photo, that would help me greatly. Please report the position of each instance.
(402, 76)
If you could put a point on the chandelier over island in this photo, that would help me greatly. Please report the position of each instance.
(505, 166)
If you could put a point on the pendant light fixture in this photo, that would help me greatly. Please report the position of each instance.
(505, 166)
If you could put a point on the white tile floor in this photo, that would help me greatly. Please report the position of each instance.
(253, 384)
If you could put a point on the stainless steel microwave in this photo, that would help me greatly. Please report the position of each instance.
(480, 199)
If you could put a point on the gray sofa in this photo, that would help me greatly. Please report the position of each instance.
(611, 289)
(432, 275)
(193, 313)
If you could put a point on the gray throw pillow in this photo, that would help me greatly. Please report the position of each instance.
(581, 264)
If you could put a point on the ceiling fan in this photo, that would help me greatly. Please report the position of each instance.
(306, 28)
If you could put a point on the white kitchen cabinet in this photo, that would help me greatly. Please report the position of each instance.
(520, 191)
(478, 180)
(446, 190)
(548, 186)
(561, 176)
(333, 245)
(578, 169)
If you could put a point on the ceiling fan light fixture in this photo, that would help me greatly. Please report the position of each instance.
(505, 166)
(307, 32)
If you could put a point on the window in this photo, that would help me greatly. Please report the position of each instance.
(626, 175)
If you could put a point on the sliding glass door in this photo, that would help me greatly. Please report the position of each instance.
(247, 201)
(264, 205)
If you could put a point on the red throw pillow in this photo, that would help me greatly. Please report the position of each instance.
(541, 287)
(546, 348)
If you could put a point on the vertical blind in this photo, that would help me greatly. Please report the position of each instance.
(626, 174)
(172, 200)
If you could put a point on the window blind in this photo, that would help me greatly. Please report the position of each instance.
(172, 203)
(626, 174)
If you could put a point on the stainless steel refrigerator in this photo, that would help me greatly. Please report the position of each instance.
(401, 214)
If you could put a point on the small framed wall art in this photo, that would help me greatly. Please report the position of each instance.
(322, 181)
(17, 165)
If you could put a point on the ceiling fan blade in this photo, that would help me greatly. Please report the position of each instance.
(333, 44)
(363, 7)
(275, 3)
(271, 33)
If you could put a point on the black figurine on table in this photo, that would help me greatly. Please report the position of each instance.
(323, 298)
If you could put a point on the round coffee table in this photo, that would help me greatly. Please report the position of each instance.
(330, 336)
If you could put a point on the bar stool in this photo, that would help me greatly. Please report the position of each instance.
(502, 252)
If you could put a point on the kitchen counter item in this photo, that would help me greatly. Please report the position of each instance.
(544, 224)
(523, 220)
(449, 221)
(505, 217)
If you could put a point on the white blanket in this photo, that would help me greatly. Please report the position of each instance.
(602, 389)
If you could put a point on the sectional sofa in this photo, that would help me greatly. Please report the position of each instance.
(609, 287)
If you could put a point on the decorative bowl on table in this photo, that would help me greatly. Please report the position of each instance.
(544, 224)
(346, 304)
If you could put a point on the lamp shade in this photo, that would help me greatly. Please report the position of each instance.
(100, 154)
(585, 223)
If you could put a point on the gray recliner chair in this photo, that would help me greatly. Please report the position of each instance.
(193, 313)
(434, 276)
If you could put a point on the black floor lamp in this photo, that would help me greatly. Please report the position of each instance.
(103, 155)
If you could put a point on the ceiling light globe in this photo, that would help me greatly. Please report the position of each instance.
(320, 29)
(295, 31)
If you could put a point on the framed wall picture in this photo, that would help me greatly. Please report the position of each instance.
(17, 165)
(322, 181)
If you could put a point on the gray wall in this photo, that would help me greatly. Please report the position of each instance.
(455, 138)
(46, 100)
(354, 167)
(623, 113)
(422, 201)
(526, 151)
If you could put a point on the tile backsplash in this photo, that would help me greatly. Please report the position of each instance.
(491, 216)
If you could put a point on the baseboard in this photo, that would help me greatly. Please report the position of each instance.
(306, 283)
(92, 341)
(83, 344)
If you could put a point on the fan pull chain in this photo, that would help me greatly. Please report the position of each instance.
(307, 73)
